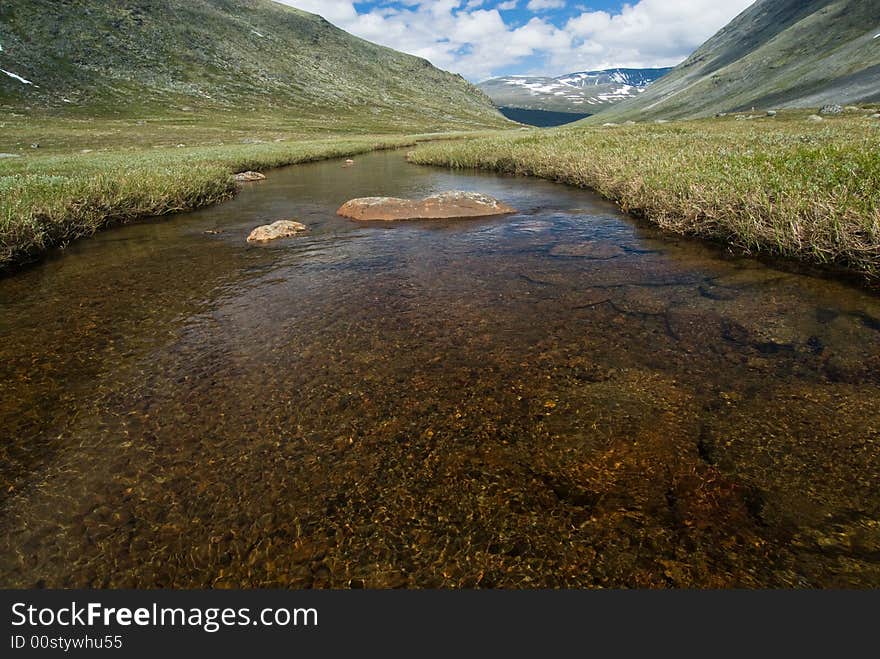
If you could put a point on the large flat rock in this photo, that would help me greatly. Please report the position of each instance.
(446, 205)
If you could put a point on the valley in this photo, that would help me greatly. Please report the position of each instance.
(246, 344)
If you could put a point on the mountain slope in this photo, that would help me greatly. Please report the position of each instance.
(255, 55)
(588, 91)
(778, 53)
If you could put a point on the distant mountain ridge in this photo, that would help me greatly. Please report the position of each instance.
(131, 56)
(583, 92)
(777, 53)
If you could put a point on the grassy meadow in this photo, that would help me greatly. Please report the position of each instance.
(88, 173)
(779, 185)
(782, 185)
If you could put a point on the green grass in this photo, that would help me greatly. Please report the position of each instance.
(780, 185)
(89, 174)
(775, 185)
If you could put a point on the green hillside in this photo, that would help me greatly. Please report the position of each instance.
(129, 57)
(778, 53)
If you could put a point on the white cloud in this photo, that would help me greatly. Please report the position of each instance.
(338, 12)
(542, 5)
(649, 33)
(472, 38)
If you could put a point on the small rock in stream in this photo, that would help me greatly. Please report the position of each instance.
(279, 229)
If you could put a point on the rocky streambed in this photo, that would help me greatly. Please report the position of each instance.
(556, 397)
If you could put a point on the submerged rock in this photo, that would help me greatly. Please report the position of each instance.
(279, 229)
(437, 207)
(247, 177)
(598, 250)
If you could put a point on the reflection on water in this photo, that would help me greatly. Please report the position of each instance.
(557, 398)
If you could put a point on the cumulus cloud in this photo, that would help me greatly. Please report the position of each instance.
(541, 5)
(649, 33)
(472, 37)
(338, 12)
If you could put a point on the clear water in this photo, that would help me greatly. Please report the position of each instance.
(563, 397)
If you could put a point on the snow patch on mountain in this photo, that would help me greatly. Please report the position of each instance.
(16, 76)
(624, 77)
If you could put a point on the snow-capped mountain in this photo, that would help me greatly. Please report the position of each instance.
(584, 92)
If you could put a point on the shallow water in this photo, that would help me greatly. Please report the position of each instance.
(563, 397)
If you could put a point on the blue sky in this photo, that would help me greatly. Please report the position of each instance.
(487, 38)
